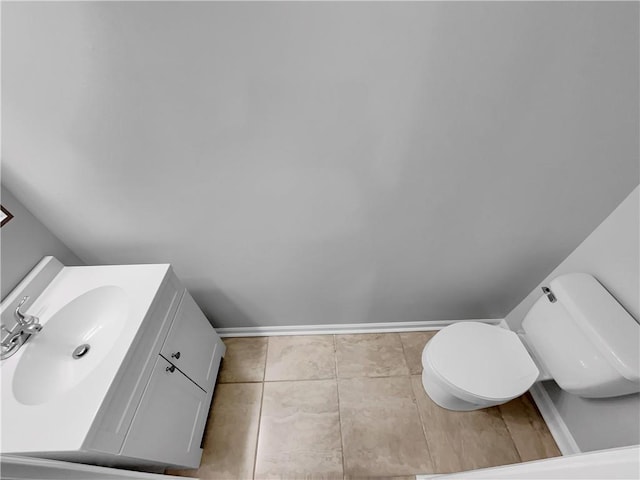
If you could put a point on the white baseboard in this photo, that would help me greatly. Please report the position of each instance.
(559, 430)
(345, 328)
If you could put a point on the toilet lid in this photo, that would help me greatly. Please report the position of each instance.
(482, 360)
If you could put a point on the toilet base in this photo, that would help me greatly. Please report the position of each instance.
(442, 397)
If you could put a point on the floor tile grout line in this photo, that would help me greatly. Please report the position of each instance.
(413, 392)
(266, 357)
(322, 378)
(506, 426)
(335, 360)
(404, 355)
(335, 355)
(422, 424)
(239, 381)
(299, 380)
(266, 361)
(255, 455)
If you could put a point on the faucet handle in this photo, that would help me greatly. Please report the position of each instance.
(32, 328)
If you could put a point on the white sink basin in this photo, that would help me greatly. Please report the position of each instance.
(93, 321)
(43, 386)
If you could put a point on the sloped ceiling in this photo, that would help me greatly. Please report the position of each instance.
(307, 163)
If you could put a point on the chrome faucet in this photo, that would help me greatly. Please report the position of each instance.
(26, 326)
(21, 318)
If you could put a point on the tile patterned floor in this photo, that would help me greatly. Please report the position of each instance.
(351, 406)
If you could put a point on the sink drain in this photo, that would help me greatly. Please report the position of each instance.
(81, 351)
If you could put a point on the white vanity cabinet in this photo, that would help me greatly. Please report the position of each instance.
(156, 414)
(170, 420)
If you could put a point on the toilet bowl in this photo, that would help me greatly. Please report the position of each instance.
(472, 365)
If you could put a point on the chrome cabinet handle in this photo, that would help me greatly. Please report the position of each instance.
(175, 355)
(170, 369)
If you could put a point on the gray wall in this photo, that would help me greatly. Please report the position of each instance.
(24, 240)
(321, 162)
(611, 255)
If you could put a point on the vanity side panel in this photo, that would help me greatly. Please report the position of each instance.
(216, 360)
(116, 413)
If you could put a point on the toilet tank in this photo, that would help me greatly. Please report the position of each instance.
(585, 339)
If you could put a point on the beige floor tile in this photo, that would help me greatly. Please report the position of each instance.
(301, 358)
(528, 429)
(244, 360)
(438, 424)
(464, 440)
(413, 344)
(232, 433)
(299, 431)
(381, 430)
(370, 355)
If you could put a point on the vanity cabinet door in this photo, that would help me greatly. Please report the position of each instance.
(193, 345)
(169, 422)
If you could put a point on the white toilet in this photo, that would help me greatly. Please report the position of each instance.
(576, 333)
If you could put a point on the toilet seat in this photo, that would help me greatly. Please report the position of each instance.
(430, 377)
(480, 363)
